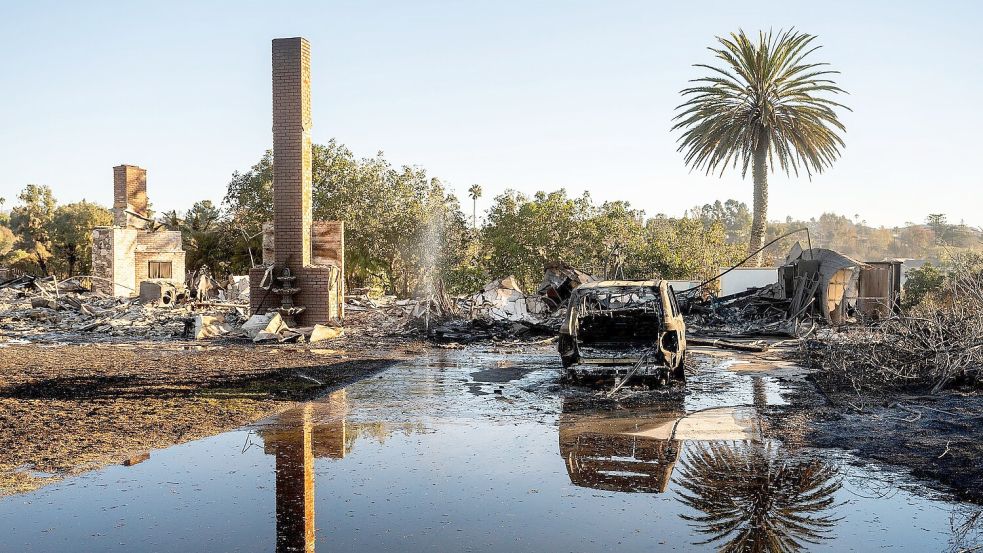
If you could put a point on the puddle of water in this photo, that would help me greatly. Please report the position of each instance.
(474, 452)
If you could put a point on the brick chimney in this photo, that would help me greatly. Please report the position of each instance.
(292, 152)
(129, 194)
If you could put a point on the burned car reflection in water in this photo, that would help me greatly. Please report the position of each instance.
(615, 327)
(619, 451)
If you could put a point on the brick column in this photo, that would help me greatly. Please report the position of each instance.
(290, 242)
(129, 193)
(292, 152)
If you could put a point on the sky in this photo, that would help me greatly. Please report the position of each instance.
(525, 95)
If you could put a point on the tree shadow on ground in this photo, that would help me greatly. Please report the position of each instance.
(286, 383)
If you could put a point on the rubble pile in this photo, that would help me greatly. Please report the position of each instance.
(237, 290)
(936, 346)
(814, 287)
(388, 305)
(500, 310)
(25, 314)
(106, 316)
(41, 307)
(270, 327)
(559, 281)
(503, 300)
(755, 312)
(503, 310)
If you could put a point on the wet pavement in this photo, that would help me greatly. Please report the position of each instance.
(477, 451)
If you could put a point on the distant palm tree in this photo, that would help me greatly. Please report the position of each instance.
(475, 193)
(766, 105)
(755, 499)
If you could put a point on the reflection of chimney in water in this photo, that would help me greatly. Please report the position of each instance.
(292, 445)
(330, 436)
(315, 429)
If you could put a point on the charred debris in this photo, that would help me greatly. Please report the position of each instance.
(843, 319)
(814, 289)
(501, 310)
(934, 346)
(74, 309)
(835, 314)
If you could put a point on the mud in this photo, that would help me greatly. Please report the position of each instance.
(938, 439)
(66, 409)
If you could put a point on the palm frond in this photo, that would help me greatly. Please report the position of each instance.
(765, 95)
(752, 496)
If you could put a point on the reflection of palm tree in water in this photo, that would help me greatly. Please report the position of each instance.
(754, 498)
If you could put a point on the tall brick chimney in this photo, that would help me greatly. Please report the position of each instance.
(314, 253)
(129, 194)
(292, 152)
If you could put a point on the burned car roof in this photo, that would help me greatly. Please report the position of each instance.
(619, 284)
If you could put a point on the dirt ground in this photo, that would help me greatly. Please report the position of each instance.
(69, 408)
(938, 439)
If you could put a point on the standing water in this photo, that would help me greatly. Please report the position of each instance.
(471, 451)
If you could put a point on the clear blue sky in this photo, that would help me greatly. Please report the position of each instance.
(526, 95)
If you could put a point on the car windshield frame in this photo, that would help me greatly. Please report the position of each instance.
(620, 298)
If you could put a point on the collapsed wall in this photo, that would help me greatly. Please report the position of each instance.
(327, 250)
(130, 251)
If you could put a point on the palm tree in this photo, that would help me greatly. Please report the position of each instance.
(766, 105)
(475, 193)
(754, 498)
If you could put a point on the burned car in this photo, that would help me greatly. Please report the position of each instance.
(615, 327)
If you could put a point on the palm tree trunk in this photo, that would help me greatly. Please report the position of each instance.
(759, 172)
(474, 213)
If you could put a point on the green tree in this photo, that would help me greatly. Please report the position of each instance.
(766, 105)
(7, 241)
(202, 216)
(939, 225)
(388, 212)
(612, 240)
(522, 234)
(733, 214)
(686, 248)
(171, 220)
(207, 236)
(71, 234)
(31, 222)
(922, 282)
